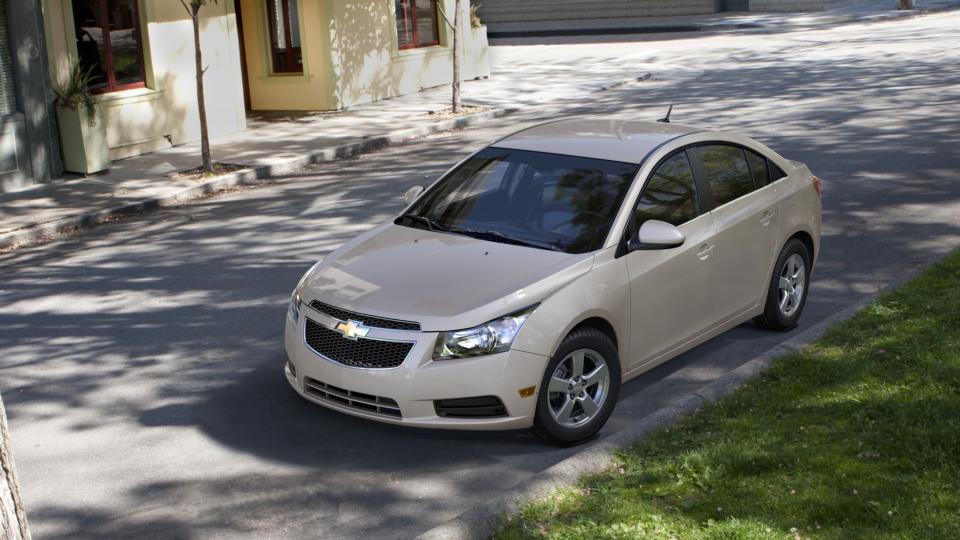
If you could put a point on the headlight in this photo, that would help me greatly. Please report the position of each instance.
(493, 337)
(295, 303)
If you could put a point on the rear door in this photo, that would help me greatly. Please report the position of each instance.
(746, 217)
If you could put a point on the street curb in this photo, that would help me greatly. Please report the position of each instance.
(480, 521)
(39, 232)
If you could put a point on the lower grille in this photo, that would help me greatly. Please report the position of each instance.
(361, 352)
(354, 400)
(473, 407)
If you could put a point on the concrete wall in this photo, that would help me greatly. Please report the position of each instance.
(165, 112)
(787, 5)
(499, 11)
(507, 11)
(368, 66)
(350, 56)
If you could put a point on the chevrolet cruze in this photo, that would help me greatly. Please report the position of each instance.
(542, 272)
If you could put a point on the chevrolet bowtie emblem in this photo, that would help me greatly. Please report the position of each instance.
(352, 329)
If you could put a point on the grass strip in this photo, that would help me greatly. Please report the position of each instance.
(857, 436)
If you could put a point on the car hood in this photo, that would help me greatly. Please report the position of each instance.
(443, 281)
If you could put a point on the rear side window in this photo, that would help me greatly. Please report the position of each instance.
(775, 173)
(670, 194)
(727, 172)
(758, 167)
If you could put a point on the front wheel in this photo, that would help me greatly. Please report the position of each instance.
(787, 293)
(579, 388)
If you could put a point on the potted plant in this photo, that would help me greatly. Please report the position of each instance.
(83, 134)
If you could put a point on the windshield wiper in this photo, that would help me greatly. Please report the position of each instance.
(497, 236)
(431, 224)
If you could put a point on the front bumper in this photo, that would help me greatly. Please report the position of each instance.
(416, 383)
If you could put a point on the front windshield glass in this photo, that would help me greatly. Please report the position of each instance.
(547, 201)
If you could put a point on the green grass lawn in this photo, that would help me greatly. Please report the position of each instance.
(858, 436)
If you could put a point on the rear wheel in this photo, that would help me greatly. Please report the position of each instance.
(579, 388)
(788, 288)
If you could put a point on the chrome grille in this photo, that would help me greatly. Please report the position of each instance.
(354, 400)
(361, 352)
(367, 320)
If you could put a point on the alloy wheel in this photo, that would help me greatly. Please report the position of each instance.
(578, 388)
(793, 280)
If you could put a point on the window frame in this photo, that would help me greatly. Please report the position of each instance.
(698, 202)
(288, 53)
(415, 43)
(112, 86)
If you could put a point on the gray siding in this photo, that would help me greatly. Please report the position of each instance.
(8, 94)
(29, 145)
(14, 170)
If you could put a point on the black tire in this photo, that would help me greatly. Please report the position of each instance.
(544, 424)
(773, 317)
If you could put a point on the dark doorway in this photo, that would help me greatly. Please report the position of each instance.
(243, 54)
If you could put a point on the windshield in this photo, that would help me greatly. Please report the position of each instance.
(546, 201)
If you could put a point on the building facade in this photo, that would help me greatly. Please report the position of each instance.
(331, 54)
(259, 54)
(141, 55)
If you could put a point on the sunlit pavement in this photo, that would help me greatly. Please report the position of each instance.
(142, 365)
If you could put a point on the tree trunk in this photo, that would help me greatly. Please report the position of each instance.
(13, 519)
(456, 57)
(201, 104)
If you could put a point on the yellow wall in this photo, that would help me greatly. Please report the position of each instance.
(351, 56)
(165, 112)
(284, 91)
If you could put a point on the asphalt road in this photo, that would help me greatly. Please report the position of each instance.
(141, 361)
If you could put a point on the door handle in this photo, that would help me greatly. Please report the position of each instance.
(767, 217)
(704, 251)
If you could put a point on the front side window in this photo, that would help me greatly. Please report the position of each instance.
(285, 52)
(546, 201)
(670, 194)
(417, 23)
(109, 43)
(726, 172)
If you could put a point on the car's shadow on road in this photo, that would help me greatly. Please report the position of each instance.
(260, 414)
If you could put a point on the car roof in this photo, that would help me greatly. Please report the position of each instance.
(613, 139)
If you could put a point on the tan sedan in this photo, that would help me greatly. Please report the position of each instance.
(539, 274)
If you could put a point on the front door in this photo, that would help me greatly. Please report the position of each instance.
(670, 288)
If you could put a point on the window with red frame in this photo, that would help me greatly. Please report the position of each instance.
(417, 23)
(109, 43)
(286, 54)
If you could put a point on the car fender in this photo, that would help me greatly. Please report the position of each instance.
(603, 293)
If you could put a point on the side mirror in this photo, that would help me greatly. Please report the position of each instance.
(655, 234)
(411, 194)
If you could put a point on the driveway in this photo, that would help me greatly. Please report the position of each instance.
(141, 362)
